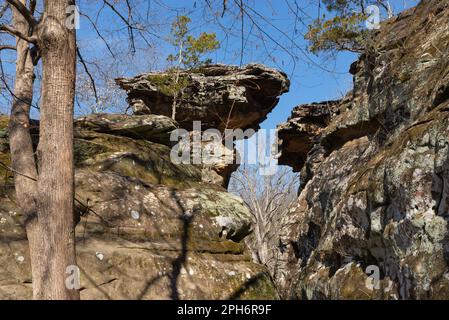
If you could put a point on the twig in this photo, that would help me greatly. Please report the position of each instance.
(24, 12)
(86, 69)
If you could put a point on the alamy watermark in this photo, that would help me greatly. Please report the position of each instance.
(232, 146)
(73, 17)
(72, 281)
(373, 280)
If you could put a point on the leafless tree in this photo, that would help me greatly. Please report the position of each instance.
(268, 197)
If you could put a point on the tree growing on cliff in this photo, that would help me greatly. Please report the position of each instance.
(189, 52)
(189, 49)
(346, 29)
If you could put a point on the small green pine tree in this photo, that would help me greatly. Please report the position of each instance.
(190, 49)
(189, 53)
(346, 29)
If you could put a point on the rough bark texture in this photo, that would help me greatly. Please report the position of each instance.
(375, 168)
(22, 153)
(55, 150)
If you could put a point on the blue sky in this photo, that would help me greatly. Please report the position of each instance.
(309, 80)
(271, 36)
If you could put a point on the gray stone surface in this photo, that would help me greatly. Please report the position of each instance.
(375, 173)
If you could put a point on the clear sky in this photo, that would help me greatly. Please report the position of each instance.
(274, 26)
(272, 34)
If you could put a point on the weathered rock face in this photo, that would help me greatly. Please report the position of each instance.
(219, 96)
(148, 229)
(298, 135)
(375, 171)
(148, 127)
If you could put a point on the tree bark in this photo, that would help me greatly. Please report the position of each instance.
(21, 148)
(55, 193)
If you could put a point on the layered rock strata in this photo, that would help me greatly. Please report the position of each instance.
(374, 200)
(148, 228)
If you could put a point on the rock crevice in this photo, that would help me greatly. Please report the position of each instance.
(374, 168)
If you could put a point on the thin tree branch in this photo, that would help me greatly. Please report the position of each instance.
(14, 32)
(126, 21)
(75, 198)
(3, 79)
(99, 34)
(7, 47)
(3, 9)
(24, 12)
(86, 69)
(225, 7)
(243, 32)
(15, 171)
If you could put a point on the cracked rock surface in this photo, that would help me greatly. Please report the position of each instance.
(375, 172)
(220, 96)
(148, 228)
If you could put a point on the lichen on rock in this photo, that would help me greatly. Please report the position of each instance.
(374, 171)
(148, 228)
(220, 96)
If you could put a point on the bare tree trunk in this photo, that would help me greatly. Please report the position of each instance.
(175, 94)
(269, 199)
(21, 148)
(55, 152)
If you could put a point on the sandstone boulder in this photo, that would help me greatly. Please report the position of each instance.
(219, 96)
(148, 229)
(150, 127)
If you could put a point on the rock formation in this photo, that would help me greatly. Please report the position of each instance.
(375, 171)
(148, 229)
(220, 97)
(297, 136)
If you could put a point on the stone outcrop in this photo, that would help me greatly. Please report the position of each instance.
(220, 96)
(149, 127)
(374, 172)
(298, 135)
(148, 228)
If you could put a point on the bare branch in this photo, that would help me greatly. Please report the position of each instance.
(7, 47)
(32, 6)
(14, 32)
(225, 7)
(242, 31)
(126, 21)
(3, 9)
(94, 25)
(86, 69)
(7, 87)
(24, 12)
